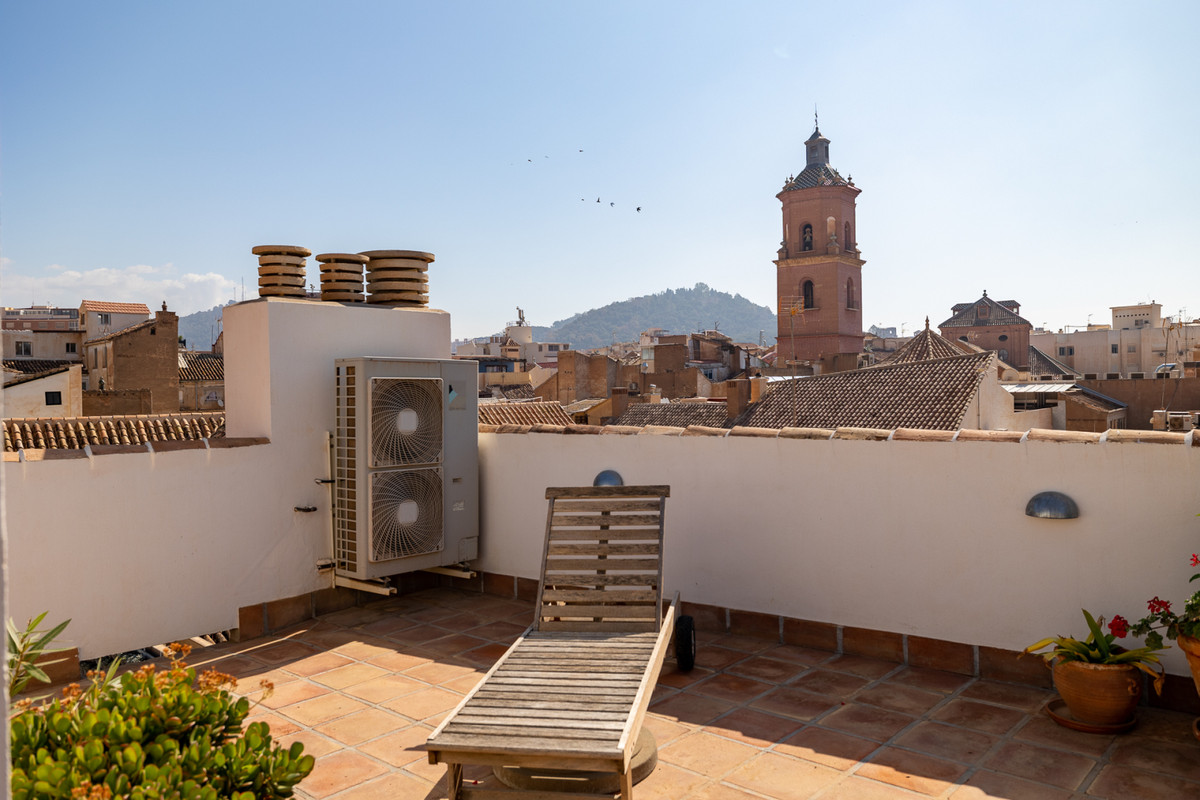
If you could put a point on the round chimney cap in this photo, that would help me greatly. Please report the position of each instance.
(280, 250)
(418, 254)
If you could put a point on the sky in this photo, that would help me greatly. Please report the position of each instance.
(1043, 151)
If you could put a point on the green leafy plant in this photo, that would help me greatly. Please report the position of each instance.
(150, 734)
(26, 651)
(1100, 648)
(1162, 618)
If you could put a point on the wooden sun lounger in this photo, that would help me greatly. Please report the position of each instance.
(572, 691)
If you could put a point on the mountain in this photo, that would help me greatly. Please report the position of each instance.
(201, 328)
(677, 310)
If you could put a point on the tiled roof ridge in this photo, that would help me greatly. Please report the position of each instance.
(26, 377)
(114, 308)
(1112, 436)
(75, 433)
(195, 365)
(967, 319)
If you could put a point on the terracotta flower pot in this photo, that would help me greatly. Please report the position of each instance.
(1099, 694)
(1191, 648)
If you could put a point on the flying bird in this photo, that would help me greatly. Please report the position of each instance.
(612, 205)
(597, 199)
(639, 208)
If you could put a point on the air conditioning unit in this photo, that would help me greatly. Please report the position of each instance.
(1179, 422)
(405, 465)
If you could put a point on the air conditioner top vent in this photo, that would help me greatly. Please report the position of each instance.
(406, 421)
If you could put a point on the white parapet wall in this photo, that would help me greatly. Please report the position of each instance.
(141, 547)
(913, 537)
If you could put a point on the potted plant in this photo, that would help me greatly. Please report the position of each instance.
(1099, 680)
(1183, 628)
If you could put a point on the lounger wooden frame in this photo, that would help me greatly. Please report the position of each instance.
(571, 693)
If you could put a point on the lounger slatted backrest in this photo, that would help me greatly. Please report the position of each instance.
(602, 566)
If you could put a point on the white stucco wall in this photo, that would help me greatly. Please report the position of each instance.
(29, 399)
(941, 549)
(141, 548)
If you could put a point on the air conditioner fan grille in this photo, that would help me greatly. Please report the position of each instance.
(406, 513)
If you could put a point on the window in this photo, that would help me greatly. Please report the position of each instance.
(1115, 349)
(847, 242)
(1131, 348)
(1003, 354)
(806, 241)
(808, 292)
(24, 348)
(104, 319)
(54, 398)
(71, 347)
(1004, 337)
(95, 363)
(1062, 351)
(553, 348)
(850, 299)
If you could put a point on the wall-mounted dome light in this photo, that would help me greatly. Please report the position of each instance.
(1051, 505)
(609, 477)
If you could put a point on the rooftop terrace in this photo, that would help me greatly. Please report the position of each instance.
(362, 688)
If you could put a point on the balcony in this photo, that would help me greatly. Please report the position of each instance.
(363, 687)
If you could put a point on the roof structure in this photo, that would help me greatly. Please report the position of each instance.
(815, 173)
(74, 433)
(195, 366)
(114, 308)
(542, 412)
(677, 415)
(26, 377)
(1092, 399)
(123, 332)
(930, 395)
(523, 391)
(1011, 305)
(984, 311)
(926, 346)
(1041, 363)
(35, 365)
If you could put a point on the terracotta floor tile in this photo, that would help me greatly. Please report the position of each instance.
(352, 673)
(398, 662)
(807, 656)
(386, 626)
(863, 666)
(716, 657)
(721, 791)
(733, 688)
(946, 741)
(453, 644)
(979, 716)
(280, 726)
(498, 631)
(933, 680)
(896, 697)
(362, 726)
(434, 773)
(1026, 698)
(1041, 729)
(869, 722)
(464, 684)
(746, 644)
(913, 771)
(782, 777)
(399, 748)
(425, 703)
(283, 652)
(665, 730)
(829, 748)
(833, 684)
(768, 669)
(322, 709)
(1123, 783)
(984, 785)
(1171, 726)
(315, 744)
(358, 615)
(486, 655)
(795, 703)
(389, 787)
(418, 634)
(671, 676)
(315, 664)
(341, 770)
(691, 709)
(385, 687)
(753, 727)
(237, 666)
(705, 753)
(1176, 760)
(431, 614)
(1065, 770)
(669, 782)
(329, 636)
(294, 692)
(437, 672)
(367, 648)
(855, 788)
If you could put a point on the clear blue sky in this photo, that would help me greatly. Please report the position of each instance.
(1046, 152)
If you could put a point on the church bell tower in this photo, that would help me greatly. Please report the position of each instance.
(819, 271)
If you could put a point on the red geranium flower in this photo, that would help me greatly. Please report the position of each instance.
(1119, 626)
(1195, 560)
(1157, 606)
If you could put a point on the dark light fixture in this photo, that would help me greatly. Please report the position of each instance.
(608, 477)
(1051, 505)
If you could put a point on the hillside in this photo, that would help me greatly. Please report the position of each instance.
(201, 328)
(677, 310)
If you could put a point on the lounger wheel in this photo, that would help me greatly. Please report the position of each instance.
(685, 643)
